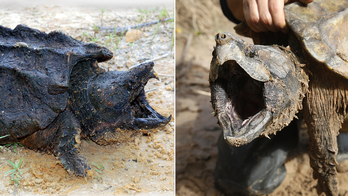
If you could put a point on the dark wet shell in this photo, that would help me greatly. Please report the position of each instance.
(322, 27)
(34, 76)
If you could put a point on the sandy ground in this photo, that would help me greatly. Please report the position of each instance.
(197, 131)
(144, 163)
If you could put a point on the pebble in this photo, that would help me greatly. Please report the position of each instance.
(133, 36)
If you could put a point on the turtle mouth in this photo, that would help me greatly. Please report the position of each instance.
(242, 112)
(144, 115)
(119, 99)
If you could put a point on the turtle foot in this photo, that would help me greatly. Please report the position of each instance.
(324, 169)
(74, 164)
(327, 184)
(323, 161)
(67, 142)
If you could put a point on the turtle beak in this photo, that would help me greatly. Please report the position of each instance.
(154, 74)
(145, 72)
(230, 47)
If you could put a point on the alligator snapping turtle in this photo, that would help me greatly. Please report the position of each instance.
(258, 89)
(53, 93)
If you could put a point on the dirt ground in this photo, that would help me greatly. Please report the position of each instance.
(144, 163)
(197, 131)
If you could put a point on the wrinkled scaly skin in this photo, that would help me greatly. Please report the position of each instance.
(317, 51)
(53, 92)
(248, 90)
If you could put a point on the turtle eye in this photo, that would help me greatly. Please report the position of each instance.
(251, 52)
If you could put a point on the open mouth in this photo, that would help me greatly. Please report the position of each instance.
(243, 114)
(144, 115)
(255, 90)
(244, 96)
(119, 98)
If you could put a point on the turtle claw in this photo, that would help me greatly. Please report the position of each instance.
(74, 164)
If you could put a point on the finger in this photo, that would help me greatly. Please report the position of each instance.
(276, 9)
(246, 10)
(251, 15)
(265, 16)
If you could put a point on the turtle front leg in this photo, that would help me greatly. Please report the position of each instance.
(66, 144)
(322, 152)
(322, 131)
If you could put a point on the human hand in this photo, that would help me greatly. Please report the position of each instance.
(262, 15)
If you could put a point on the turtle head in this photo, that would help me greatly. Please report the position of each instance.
(255, 90)
(119, 97)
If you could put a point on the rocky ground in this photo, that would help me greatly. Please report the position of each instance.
(144, 163)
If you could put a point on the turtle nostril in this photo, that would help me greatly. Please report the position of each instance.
(222, 35)
(222, 38)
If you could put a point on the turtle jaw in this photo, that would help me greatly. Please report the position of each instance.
(240, 105)
(252, 129)
(145, 117)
